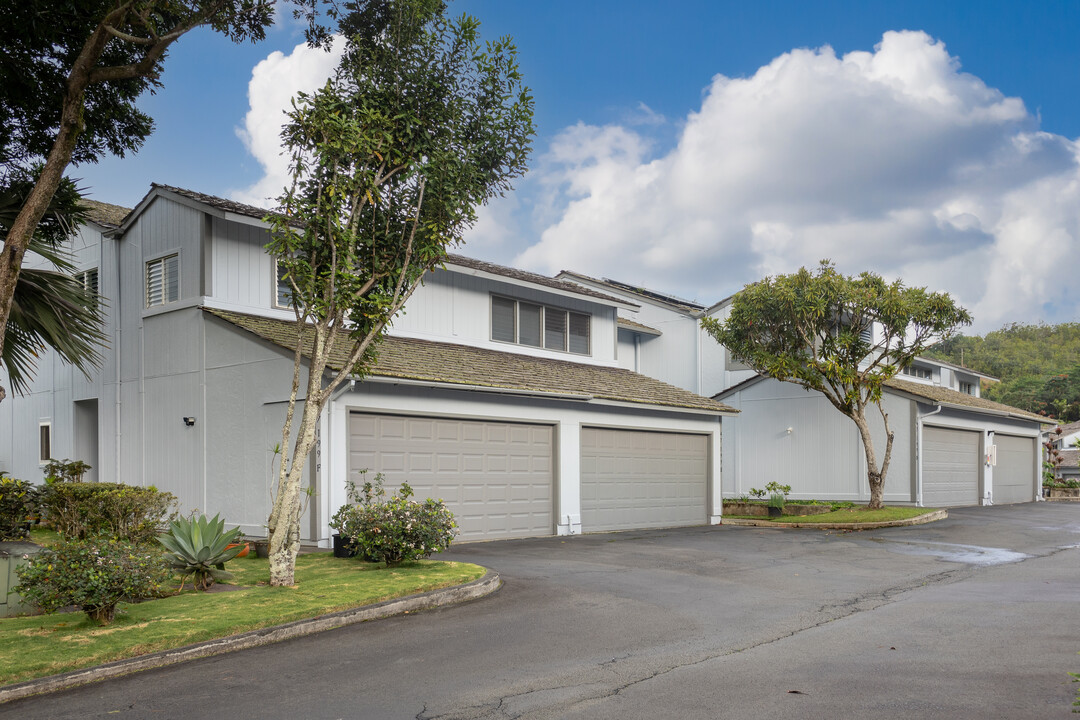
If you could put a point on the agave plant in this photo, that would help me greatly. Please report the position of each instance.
(199, 548)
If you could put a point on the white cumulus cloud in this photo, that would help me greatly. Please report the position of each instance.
(893, 160)
(274, 82)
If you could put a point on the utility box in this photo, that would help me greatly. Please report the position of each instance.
(12, 555)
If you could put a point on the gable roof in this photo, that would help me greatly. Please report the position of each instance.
(946, 396)
(442, 363)
(967, 371)
(534, 279)
(925, 393)
(229, 209)
(686, 306)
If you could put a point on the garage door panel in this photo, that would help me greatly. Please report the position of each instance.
(951, 466)
(1014, 474)
(495, 477)
(638, 479)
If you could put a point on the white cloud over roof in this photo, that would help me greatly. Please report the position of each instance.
(893, 160)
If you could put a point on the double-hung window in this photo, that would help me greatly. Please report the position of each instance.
(163, 280)
(525, 323)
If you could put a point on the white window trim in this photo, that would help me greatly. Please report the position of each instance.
(543, 326)
(41, 425)
(161, 257)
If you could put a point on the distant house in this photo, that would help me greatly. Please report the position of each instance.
(498, 390)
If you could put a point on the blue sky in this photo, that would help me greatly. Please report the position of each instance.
(945, 158)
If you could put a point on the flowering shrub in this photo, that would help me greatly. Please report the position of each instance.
(79, 510)
(393, 530)
(94, 575)
(17, 500)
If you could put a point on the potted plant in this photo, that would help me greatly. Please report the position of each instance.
(776, 505)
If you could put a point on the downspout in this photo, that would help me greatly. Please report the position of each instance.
(118, 354)
(637, 352)
(919, 453)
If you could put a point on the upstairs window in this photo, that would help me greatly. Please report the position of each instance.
(44, 442)
(967, 388)
(283, 296)
(919, 372)
(163, 280)
(525, 323)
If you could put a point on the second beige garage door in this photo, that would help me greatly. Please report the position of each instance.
(1014, 475)
(632, 479)
(495, 477)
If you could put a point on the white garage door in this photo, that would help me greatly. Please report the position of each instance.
(1014, 474)
(633, 479)
(495, 477)
(950, 467)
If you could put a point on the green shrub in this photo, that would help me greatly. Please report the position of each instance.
(93, 575)
(395, 530)
(123, 512)
(198, 548)
(17, 504)
(65, 470)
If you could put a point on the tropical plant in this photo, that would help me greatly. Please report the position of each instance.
(199, 548)
(393, 530)
(94, 575)
(65, 470)
(50, 307)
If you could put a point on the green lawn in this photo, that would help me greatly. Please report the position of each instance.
(857, 515)
(48, 644)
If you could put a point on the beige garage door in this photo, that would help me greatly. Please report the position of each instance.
(1014, 474)
(495, 477)
(632, 479)
(950, 467)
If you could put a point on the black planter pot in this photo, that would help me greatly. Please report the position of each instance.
(262, 548)
(775, 511)
(343, 548)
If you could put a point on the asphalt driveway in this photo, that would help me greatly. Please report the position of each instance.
(975, 616)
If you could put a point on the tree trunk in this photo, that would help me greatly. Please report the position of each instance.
(874, 475)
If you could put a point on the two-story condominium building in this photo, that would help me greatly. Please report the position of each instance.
(951, 447)
(501, 391)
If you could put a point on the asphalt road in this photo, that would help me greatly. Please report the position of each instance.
(972, 617)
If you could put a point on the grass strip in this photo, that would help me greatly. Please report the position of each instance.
(43, 645)
(857, 515)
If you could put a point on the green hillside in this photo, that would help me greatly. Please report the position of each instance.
(1039, 366)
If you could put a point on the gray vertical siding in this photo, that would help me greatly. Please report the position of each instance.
(822, 457)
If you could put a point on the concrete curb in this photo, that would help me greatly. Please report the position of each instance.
(474, 590)
(919, 520)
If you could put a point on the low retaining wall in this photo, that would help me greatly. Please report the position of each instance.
(741, 508)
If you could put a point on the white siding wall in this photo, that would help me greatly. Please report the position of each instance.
(822, 457)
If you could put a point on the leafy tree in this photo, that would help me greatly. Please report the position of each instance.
(69, 76)
(812, 328)
(50, 308)
(389, 161)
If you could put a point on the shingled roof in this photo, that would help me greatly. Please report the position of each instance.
(945, 396)
(229, 206)
(526, 276)
(104, 214)
(450, 364)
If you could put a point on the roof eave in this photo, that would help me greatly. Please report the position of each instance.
(487, 275)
